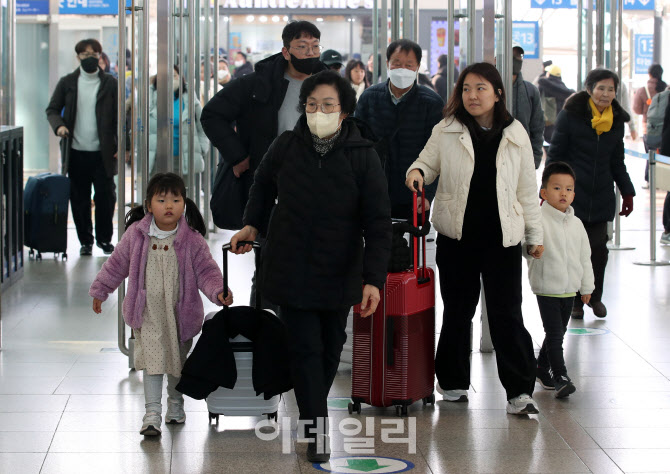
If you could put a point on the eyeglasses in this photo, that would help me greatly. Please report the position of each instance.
(89, 55)
(311, 107)
(305, 50)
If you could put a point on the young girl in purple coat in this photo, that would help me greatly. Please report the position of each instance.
(166, 260)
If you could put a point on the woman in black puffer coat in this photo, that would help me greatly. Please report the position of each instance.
(332, 197)
(589, 136)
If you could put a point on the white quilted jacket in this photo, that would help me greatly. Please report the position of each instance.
(450, 155)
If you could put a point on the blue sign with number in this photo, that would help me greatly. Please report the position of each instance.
(88, 7)
(644, 53)
(526, 33)
(32, 7)
(627, 4)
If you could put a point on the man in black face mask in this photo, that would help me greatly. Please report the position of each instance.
(245, 117)
(87, 99)
(527, 105)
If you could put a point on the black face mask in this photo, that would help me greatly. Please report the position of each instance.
(516, 66)
(305, 66)
(90, 65)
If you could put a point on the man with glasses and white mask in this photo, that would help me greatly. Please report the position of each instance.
(82, 111)
(402, 115)
(245, 117)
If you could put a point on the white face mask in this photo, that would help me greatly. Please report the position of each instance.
(222, 74)
(238, 63)
(323, 125)
(402, 78)
(176, 84)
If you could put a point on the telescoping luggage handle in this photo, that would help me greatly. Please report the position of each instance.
(225, 248)
(422, 243)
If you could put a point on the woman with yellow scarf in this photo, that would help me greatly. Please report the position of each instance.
(589, 136)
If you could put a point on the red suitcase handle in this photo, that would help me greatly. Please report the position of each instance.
(421, 279)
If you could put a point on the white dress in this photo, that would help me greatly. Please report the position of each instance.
(157, 347)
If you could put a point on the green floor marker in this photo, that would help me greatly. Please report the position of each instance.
(364, 465)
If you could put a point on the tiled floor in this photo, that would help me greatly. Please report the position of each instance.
(67, 406)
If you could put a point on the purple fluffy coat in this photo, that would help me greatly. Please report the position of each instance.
(197, 271)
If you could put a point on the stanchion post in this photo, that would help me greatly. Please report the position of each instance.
(652, 215)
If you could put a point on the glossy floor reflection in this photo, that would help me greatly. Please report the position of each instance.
(68, 402)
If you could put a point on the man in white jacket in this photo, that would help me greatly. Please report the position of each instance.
(563, 273)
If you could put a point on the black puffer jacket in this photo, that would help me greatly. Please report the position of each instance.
(598, 160)
(314, 257)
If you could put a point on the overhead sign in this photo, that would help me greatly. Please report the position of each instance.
(527, 34)
(300, 4)
(88, 7)
(627, 4)
(32, 7)
(644, 53)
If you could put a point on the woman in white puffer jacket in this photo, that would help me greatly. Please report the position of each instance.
(486, 204)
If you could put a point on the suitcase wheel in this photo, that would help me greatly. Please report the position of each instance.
(401, 410)
(273, 416)
(213, 416)
(354, 407)
(64, 257)
(31, 254)
(38, 256)
(430, 399)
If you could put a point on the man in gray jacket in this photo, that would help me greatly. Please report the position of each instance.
(527, 105)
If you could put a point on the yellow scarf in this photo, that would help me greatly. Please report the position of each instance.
(601, 122)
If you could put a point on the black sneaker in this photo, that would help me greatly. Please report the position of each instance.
(106, 247)
(564, 386)
(318, 450)
(545, 377)
(86, 250)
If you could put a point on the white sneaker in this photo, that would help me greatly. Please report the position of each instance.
(645, 185)
(453, 395)
(522, 405)
(175, 412)
(665, 238)
(151, 424)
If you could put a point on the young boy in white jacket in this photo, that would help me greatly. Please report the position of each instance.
(563, 272)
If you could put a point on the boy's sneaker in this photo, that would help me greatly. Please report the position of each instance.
(545, 378)
(151, 424)
(522, 405)
(564, 386)
(665, 238)
(453, 395)
(175, 413)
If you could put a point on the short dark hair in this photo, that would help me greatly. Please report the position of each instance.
(406, 46)
(556, 167)
(85, 43)
(443, 60)
(600, 74)
(345, 92)
(242, 54)
(456, 108)
(295, 29)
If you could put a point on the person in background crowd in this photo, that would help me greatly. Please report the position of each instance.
(245, 117)
(242, 66)
(642, 101)
(551, 86)
(332, 59)
(357, 77)
(401, 115)
(665, 150)
(103, 63)
(223, 73)
(370, 68)
(440, 78)
(83, 112)
(423, 79)
(486, 203)
(527, 106)
(589, 137)
(317, 268)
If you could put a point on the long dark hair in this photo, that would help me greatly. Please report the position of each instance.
(169, 182)
(353, 64)
(456, 109)
(656, 71)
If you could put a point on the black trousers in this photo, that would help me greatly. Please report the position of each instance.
(86, 169)
(666, 214)
(460, 265)
(555, 313)
(598, 238)
(315, 340)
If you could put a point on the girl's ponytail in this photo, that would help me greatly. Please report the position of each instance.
(135, 214)
(193, 217)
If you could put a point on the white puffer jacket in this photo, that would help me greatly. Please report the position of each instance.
(565, 266)
(450, 155)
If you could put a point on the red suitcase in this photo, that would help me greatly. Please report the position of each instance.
(394, 349)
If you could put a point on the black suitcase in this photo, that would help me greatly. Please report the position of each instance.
(46, 198)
